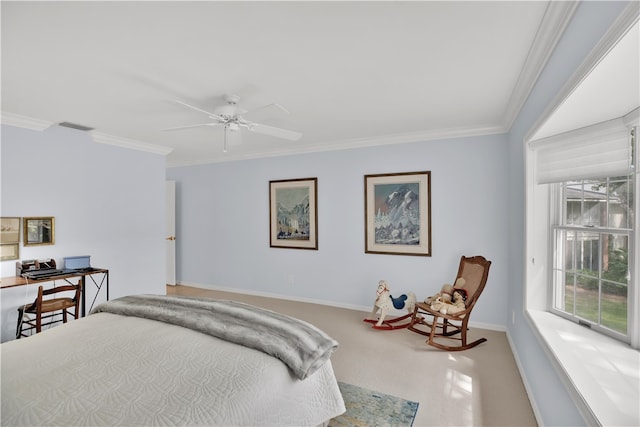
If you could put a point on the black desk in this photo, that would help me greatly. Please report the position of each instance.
(103, 279)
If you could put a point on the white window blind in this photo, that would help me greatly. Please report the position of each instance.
(597, 151)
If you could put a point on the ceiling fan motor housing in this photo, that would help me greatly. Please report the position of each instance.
(232, 99)
(229, 110)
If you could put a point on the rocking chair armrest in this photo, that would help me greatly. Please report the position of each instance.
(422, 306)
(457, 316)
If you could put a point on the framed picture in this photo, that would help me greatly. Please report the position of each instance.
(9, 251)
(39, 231)
(9, 229)
(398, 213)
(293, 213)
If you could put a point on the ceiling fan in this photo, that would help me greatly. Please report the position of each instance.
(230, 116)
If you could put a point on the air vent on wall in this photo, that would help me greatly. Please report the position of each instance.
(75, 126)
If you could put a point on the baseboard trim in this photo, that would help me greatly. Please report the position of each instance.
(527, 387)
(365, 309)
(274, 295)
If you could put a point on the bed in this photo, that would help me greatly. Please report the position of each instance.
(168, 360)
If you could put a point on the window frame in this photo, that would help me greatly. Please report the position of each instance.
(558, 223)
(570, 346)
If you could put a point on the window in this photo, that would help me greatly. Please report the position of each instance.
(592, 233)
(591, 228)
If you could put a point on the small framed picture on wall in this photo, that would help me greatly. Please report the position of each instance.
(9, 230)
(9, 251)
(293, 213)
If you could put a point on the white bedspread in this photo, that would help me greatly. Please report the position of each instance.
(299, 344)
(108, 369)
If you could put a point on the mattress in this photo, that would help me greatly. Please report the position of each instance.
(107, 370)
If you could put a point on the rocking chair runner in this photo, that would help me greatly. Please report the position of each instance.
(475, 271)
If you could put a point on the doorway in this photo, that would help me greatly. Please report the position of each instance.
(170, 216)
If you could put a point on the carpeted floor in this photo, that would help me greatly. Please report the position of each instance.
(476, 387)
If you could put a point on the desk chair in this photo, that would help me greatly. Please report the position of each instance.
(48, 310)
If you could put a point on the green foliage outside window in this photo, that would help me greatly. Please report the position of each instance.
(594, 257)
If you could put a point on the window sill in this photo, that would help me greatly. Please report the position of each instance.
(602, 374)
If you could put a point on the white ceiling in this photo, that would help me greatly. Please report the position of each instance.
(350, 73)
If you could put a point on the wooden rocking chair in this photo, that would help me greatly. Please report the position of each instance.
(475, 271)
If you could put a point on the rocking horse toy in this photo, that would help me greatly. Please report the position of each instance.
(384, 302)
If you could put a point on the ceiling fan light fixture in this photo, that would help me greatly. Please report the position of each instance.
(230, 117)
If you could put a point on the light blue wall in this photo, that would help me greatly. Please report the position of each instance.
(592, 19)
(223, 223)
(108, 202)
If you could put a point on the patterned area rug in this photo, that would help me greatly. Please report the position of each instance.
(369, 408)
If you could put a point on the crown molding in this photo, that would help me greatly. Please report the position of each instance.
(30, 123)
(132, 144)
(555, 20)
(403, 138)
(348, 144)
(24, 122)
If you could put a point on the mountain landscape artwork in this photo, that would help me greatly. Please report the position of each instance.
(398, 213)
(293, 214)
(397, 219)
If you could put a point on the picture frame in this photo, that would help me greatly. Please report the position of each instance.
(9, 229)
(293, 213)
(9, 251)
(38, 231)
(398, 213)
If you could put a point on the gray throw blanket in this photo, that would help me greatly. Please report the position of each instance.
(300, 345)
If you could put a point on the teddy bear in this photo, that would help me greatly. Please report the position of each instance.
(446, 292)
(444, 295)
(436, 304)
(456, 305)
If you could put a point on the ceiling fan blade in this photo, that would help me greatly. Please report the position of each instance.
(191, 126)
(277, 132)
(212, 115)
(264, 107)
